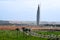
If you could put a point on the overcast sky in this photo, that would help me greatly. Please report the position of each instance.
(26, 10)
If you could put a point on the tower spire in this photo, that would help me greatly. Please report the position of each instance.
(38, 15)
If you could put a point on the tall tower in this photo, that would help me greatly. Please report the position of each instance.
(38, 15)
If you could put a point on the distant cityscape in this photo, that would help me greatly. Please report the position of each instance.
(21, 23)
(31, 23)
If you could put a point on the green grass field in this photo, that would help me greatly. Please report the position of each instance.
(48, 32)
(16, 35)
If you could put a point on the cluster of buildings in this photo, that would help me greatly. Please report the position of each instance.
(37, 22)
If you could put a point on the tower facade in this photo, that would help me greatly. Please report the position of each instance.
(38, 15)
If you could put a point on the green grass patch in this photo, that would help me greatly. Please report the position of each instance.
(16, 35)
(48, 32)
